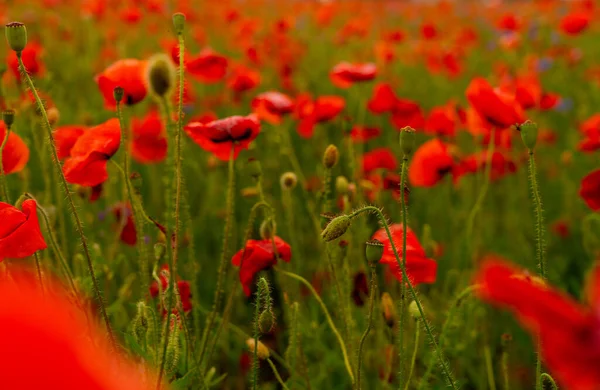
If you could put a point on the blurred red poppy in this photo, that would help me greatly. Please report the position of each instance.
(243, 79)
(272, 106)
(221, 137)
(183, 286)
(430, 163)
(15, 154)
(124, 217)
(208, 66)
(86, 165)
(360, 134)
(575, 23)
(20, 234)
(497, 108)
(428, 31)
(509, 22)
(65, 138)
(128, 74)
(383, 99)
(31, 57)
(419, 268)
(70, 350)
(501, 165)
(407, 113)
(568, 332)
(591, 132)
(257, 256)
(344, 74)
(590, 190)
(149, 144)
(442, 121)
(310, 112)
(381, 158)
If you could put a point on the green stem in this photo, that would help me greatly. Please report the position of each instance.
(414, 357)
(489, 368)
(327, 316)
(3, 185)
(255, 364)
(413, 292)
(67, 192)
(38, 268)
(276, 373)
(369, 323)
(504, 364)
(402, 326)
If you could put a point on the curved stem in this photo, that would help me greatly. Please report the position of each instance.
(369, 323)
(549, 379)
(413, 292)
(276, 373)
(329, 320)
(489, 368)
(78, 224)
(3, 185)
(414, 357)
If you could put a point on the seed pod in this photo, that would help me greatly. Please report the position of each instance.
(161, 74)
(262, 352)
(118, 94)
(178, 23)
(388, 309)
(331, 156)
(529, 133)
(374, 251)
(8, 117)
(336, 228)
(16, 36)
(407, 140)
(288, 180)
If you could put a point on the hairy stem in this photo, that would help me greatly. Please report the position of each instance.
(369, 322)
(276, 373)
(3, 185)
(414, 357)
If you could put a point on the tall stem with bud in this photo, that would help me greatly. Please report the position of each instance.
(8, 118)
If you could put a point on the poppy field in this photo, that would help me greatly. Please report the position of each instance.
(270, 194)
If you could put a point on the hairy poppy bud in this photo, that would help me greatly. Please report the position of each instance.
(413, 309)
(529, 133)
(118, 94)
(16, 36)
(374, 251)
(388, 309)
(178, 23)
(341, 185)
(160, 75)
(8, 117)
(141, 323)
(336, 228)
(288, 180)
(261, 351)
(331, 156)
(266, 321)
(267, 229)
(407, 140)
(53, 115)
(254, 168)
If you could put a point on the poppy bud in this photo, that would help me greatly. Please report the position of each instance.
(8, 117)
(173, 347)
(388, 309)
(141, 323)
(178, 23)
(336, 228)
(159, 251)
(160, 75)
(407, 140)
(341, 185)
(262, 351)
(16, 36)
(254, 168)
(288, 180)
(118, 94)
(266, 321)
(331, 156)
(529, 133)
(413, 309)
(53, 115)
(374, 251)
(267, 229)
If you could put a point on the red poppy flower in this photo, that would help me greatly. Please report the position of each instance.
(360, 288)
(568, 332)
(360, 134)
(149, 144)
(344, 74)
(86, 165)
(20, 234)
(71, 352)
(549, 101)
(442, 121)
(428, 31)
(272, 106)
(124, 217)
(407, 113)
(65, 138)
(591, 131)
(128, 74)
(31, 57)
(497, 108)
(509, 22)
(257, 256)
(381, 158)
(208, 66)
(221, 136)
(501, 165)
(430, 163)
(528, 92)
(243, 79)
(383, 99)
(419, 268)
(15, 154)
(322, 109)
(590, 190)
(575, 23)
(183, 286)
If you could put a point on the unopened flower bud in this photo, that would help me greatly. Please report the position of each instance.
(8, 117)
(331, 156)
(118, 94)
(261, 351)
(178, 23)
(341, 185)
(266, 321)
(407, 140)
(413, 309)
(16, 36)
(288, 180)
(254, 168)
(336, 228)
(53, 115)
(161, 74)
(141, 323)
(374, 251)
(529, 133)
(388, 309)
